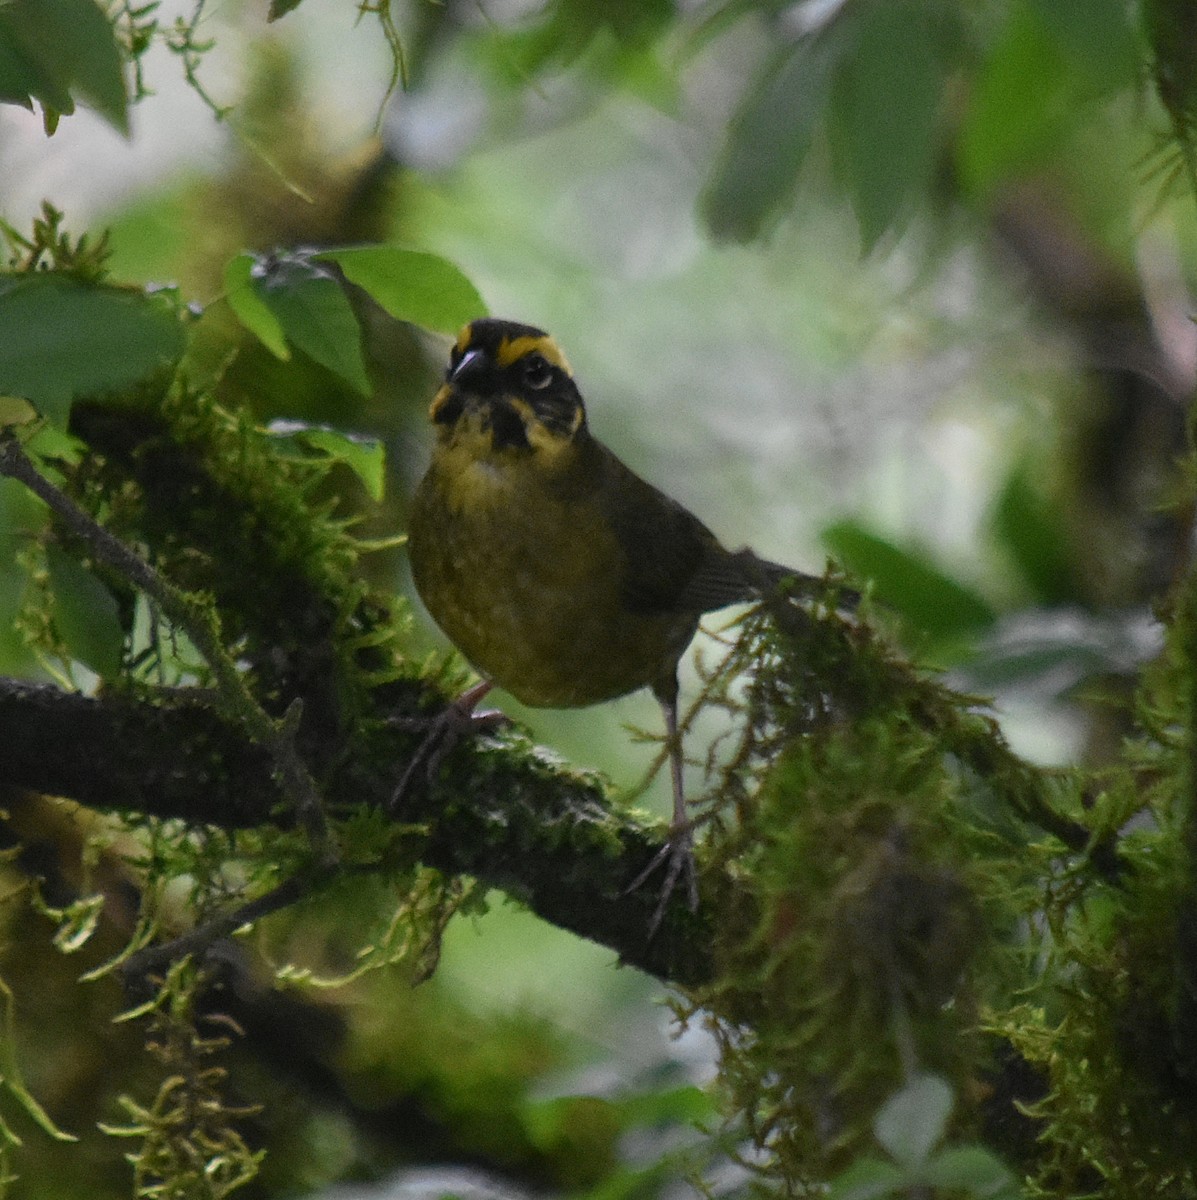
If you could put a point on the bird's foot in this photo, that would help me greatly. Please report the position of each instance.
(443, 732)
(677, 857)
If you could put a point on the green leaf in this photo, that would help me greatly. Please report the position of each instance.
(972, 1169)
(1032, 533)
(867, 1179)
(52, 49)
(13, 1081)
(911, 1123)
(86, 614)
(885, 150)
(713, 20)
(411, 285)
(683, 1105)
(21, 79)
(1097, 37)
(250, 309)
(280, 8)
(64, 338)
(1059, 664)
(909, 583)
(315, 314)
(1019, 103)
(573, 1120)
(769, 136)
(364, 456)
(14, 410)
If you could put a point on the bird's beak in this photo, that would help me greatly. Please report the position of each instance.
(455, 393)
(472, 364)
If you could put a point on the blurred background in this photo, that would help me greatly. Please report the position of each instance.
(942, 335)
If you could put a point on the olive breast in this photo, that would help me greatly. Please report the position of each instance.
(526, 576)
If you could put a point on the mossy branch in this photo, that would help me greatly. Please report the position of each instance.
(499, 812)
(199, 620)
(211, 493)
(865, 834)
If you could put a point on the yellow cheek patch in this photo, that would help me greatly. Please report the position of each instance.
(463, 338)
(513, 349)
(438, 402)
(542, 439)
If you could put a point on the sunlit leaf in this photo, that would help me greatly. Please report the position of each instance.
(886, 150)
(250, 308)
(53, 50)
(314, 313)
(911, 1123)
(64, 338)
(411, 285)
(770, 135)
(86, 614)
(364, 456)
(16, 410)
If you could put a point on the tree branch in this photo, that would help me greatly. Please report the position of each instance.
(201, 624)
(536, 831)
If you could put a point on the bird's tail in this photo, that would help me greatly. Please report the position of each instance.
(767, 576)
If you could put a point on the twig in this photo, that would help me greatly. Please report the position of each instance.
(144, 963)
(203, 628)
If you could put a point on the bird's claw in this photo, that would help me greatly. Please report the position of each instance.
(443, 732)
(677, 854)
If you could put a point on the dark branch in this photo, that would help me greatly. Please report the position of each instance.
(532, 829)
(200, 623)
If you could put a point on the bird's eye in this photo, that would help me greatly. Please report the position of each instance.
(537, 372)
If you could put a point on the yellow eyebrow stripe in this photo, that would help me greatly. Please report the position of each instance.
(513, 349)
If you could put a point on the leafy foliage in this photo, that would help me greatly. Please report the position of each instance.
(53, 50)
(296, 299)
(874, 870)
(902, 917)
(69, 339)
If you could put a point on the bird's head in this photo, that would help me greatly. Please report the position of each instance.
(509, 385)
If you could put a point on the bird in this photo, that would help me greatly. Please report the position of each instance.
(560, 574)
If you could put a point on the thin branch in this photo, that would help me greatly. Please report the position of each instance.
(202, 626)
(145, 963)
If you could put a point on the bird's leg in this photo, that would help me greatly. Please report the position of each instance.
(444, 731)
(681, 832)
(678, 851)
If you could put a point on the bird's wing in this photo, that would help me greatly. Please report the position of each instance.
(663, 545)
(672, 561)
